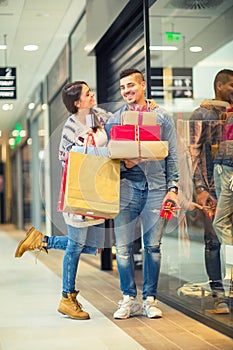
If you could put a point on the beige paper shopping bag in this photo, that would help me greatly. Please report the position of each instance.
(92, 186)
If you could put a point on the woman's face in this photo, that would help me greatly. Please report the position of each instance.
(87, 100)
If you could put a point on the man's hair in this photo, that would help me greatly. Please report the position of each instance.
(223, 76)
(130, 71)
(71, 93)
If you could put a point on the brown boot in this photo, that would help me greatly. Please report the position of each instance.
(34, 240)
(71, 307)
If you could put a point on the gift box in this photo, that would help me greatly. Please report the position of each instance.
(138, 117)
(135, 132)
(154, 150)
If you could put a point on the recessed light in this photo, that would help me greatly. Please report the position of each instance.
(31, 105)
(31, 47)
(11, 141)
(163, 48)
(7, 107)
(3, 47)
(195, 48)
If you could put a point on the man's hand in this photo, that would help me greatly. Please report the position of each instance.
(130, 163)
(173, 197)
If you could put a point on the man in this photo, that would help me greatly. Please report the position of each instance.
(206, 135)
(144, 187)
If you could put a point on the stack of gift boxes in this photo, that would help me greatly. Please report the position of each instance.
(138, 136)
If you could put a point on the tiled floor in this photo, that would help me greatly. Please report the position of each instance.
(30, 293)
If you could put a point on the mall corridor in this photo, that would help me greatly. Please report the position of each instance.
(30, 293)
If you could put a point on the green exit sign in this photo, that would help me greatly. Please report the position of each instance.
(173, 36)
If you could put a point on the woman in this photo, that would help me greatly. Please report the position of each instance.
(79, 101)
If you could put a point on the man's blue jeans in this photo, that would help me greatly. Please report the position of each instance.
(146, 204)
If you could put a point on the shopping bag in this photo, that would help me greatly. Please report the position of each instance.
(60, 203)
(92, 186)
(92, 150)
(135, 132)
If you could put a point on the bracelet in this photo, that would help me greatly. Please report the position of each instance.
(173, 189)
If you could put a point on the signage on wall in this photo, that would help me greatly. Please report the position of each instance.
(7, 83)
(171, 82)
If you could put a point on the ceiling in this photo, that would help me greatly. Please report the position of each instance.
(210, 28)
(46, 23)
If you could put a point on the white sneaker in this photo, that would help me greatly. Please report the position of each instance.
(127, 307)
(150, 309)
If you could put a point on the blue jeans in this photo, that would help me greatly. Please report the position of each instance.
(223, 178)
(94, 240)
(74, 244)
(145, 203)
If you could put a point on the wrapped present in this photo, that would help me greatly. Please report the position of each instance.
(169, 209)
(153, 150)
(135, 132)
(138, 117)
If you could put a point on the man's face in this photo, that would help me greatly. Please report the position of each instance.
(226, 91)
(132, 90)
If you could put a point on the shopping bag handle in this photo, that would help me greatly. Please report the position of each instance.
(90, 136)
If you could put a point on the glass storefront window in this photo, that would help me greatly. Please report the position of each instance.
(42, 135)
(26, 177)
(188, 46)
(83, 65)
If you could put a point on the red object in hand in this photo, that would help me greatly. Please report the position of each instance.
(210, 208)
(168, 208)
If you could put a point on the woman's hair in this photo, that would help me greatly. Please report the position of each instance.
(71, 93)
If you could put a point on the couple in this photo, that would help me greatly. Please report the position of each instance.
(144, 187)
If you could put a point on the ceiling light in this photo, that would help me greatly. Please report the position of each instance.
(15, 133)
(11, 141)
(31, 47)
(163, 48)
(31, 105)
(7, 107)
(22, 133)
(195, 48)
(29, 141)
(3, 47)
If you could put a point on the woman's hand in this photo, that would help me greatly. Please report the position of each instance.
(152, 104)
(90, 137)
